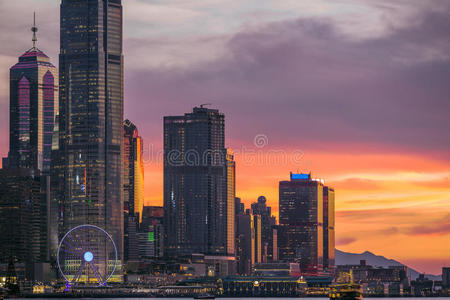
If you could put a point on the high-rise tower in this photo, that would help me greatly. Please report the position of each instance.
(267, 227)
(133, 170)
(196, 202)
(300, 233)
(133, 187)
(328, 230)
(33, 106)
(25, 180)
(91, 116)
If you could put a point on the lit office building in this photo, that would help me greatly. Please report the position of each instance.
(25, 178)
(196, 184)
(151, 233)
(91, 119)
(446, 277)
(248, 241)
(231, 196)
(328, 230)
(23, 235)
(267, 228)
(256, 230)
(300, 233)
(133, 188)
(33, 107)
(133, 170)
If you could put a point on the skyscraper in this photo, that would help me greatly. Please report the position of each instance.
(151, 233)
(300, 234)
(248, 242)
(33, 106)
(91, 116)
(328, 229)
(25, 193)
(446, 277)
(196, 204)
(267, 223)
(231, 196)
(133, 170)
(133, 187)
(22, 216)
(256, 238)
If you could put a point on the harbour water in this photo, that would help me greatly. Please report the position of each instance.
(315, 298)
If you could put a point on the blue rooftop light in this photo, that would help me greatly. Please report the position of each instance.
(300, 176)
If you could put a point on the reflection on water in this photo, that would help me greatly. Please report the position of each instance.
(371, 298)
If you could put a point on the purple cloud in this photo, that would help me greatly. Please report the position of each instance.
(303, 82)
(345, 241)
(438, 227)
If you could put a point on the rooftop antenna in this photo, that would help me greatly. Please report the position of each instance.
(205, 104)
(34, 29)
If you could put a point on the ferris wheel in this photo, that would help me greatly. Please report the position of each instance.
(87, 253)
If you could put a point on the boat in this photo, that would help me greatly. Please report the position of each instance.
(346, 291)
(204, 296)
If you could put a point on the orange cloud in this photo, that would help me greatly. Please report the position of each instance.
(394, 204)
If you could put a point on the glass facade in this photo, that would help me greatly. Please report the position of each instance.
(133, 171)
(151, 233)
(231, 196)
(21, 211)
(33, 107)
(267, 223)
(245, 243)
(133, 187)
(328, 230)
(300, 234)
(91, 118)
(195, 184)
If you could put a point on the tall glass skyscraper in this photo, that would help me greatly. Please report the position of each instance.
(267, 223)
(133, 171)
(33, 106)
(300, 233)
(328, 230)
(231, 197)
(133, 187)
(25, 181)
(196, 202)
(91, 117)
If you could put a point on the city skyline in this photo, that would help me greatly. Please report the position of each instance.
(388, 160)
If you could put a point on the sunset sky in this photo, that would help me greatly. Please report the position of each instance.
(357, 92)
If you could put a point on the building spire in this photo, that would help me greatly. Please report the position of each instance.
(34, 29)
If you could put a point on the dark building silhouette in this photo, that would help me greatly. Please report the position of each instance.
(151, 233)
(248, 239)
(23, 234)
(239, 207)
(446, 277)
(245, 241)
(197, 205)
(256, 230)
(133, 188)
(300, 233)
(328, 230)
(91, 118)
(267, 228)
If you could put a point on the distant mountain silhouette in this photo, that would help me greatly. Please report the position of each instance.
(347, 258)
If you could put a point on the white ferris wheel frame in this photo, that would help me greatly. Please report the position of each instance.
(88, 226)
